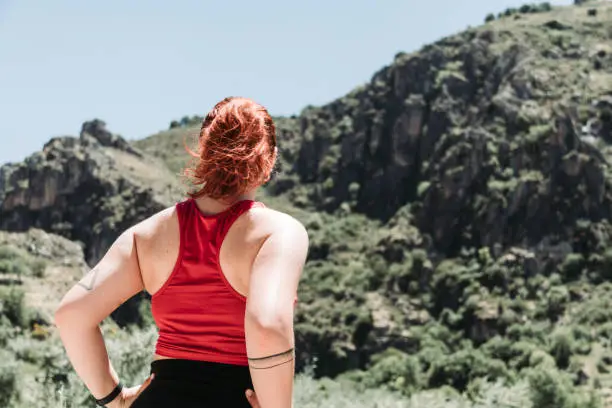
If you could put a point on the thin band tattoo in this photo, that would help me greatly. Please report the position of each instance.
(272, 366)
(94, 274)
(273, 355)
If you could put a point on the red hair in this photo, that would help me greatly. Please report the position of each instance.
(236, 150)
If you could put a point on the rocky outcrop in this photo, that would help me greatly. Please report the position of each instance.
(96, 129)
(87, 189)
(496, 135)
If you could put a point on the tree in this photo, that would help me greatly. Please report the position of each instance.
(546, 6)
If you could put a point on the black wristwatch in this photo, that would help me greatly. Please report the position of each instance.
(110, 397)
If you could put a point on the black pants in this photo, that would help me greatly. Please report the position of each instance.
(195, 384)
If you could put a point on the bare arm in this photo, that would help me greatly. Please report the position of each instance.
(115, 279)
(269, 313)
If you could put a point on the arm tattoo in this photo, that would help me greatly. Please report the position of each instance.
(272, 366)
(275, 360)
(92, 281)
(284, 353)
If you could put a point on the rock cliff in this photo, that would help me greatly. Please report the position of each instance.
(87, 189)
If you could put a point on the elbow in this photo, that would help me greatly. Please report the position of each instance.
(66, 316)
(60, 316)
(270, 320)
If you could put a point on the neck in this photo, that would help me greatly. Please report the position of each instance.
(249, 195)
(215, 205)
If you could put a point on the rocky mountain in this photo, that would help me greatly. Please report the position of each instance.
(505, 122)
(85, 189)
(467, 129)
(458, 206)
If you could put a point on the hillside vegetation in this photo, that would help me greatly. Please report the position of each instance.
(458, 207)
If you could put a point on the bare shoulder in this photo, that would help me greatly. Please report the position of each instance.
(157, 225)
(277, 223)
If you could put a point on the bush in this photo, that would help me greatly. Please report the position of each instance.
(544, 7)
(549, 388)
(557, 300)
(449, 281)
(129, 351)
(526, 9)
(37, 268)
(561, 347)
(510, 11)
(13, 267)
(572, 266)
(396, 370)
(540, 358)
(605, 266)
(7, 331)
(8, 379)
(460, 368)
(16, 262)
(490, 17)
(12, 305)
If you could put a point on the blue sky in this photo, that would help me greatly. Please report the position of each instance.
(140, 64)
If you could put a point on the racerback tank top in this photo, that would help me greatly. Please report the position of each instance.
(200, 316)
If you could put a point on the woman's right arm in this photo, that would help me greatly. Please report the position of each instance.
(269, 312)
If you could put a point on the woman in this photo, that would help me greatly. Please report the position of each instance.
(223, 271)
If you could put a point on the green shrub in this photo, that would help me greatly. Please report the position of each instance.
(605, 330)
(544, 7)
(549, 388)
(572, 266)
(394, 369)
(449, 281)
(490, 17)
(16, 262)
(14, 267)
(557, 300)
(38, 267)
(460, 368)
(8, 378)
(12, 305)
(540, 358)
(7, 331)
(561, 347)
(605, 267)
(129, 352)
(509, 11)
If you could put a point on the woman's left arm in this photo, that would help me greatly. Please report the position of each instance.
(115, 279)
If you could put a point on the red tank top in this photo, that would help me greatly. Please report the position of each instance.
(198, 313)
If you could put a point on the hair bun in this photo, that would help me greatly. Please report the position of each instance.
(236, 149)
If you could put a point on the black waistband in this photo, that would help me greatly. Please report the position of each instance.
(181, 369)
